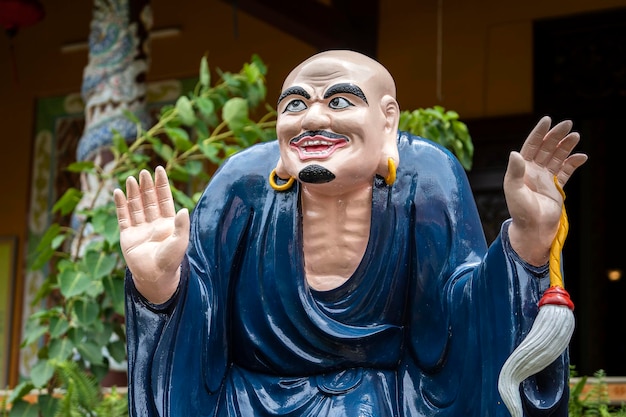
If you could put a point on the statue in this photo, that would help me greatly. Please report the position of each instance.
(341, 270)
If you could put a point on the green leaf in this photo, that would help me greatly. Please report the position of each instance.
(77, 335)
(131, 116)
(68, 202)
(201, 130)
(205, 106)
(185, 110)
(48, 405)
(258, 62)
(140, 160)
(73, 282)
(58, 326)
(45, 248)
(103, 337)
(41, 373)
(194, 167)
(179, 137)
(164, 151)
(99, 371)
(86, 312)
(119, 143)
(83, 166)
(235, 113)
(166, 111)
(20, 391)
(231, 150)
(255, 93)
(58, 241)
(252, 72)
(115, 290)
(105, 224)
(44, 314)
(90, 352)
(211, 150)
(205, 75)
(60, 349)
(178, 173)
(183, 199)
(99, 263)
(95, 289)
(23, 408)
(117, 350)
(33, 332)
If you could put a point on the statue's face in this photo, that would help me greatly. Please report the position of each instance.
(330, 124)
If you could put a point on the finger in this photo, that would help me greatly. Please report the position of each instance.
(135, 205)
(514, 175)
(179, 239)
(570, 165)
(164, 193)
(551, 141)
(148, 196)
(181, 224)
(562, 152)
(121, 208)
(535, 138)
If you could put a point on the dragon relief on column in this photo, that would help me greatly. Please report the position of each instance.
(114, 82)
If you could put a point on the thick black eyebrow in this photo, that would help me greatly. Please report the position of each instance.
(345, 88)
(293, 90)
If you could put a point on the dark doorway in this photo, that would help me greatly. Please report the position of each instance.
(580, 74)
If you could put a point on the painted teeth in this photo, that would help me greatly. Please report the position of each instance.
(316, 142)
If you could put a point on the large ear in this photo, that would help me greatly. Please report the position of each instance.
(280, 170)
(391, 111)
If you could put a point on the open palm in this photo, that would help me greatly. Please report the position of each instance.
(533, 200)
(153, 236)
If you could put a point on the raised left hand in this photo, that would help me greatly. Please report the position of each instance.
(533, 200)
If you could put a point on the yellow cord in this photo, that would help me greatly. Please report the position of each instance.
(556, 279)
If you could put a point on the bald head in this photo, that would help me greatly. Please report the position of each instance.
(364, 69)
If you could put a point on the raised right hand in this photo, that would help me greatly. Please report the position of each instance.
(153, 236)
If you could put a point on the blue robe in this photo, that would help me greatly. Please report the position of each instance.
(422, 327)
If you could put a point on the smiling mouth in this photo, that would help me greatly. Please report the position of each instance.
(317, 147)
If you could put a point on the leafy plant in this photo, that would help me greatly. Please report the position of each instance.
(81, 397)
(595, 401)
(82, 322)
(441, 126)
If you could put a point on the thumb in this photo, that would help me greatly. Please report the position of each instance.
(516, 168)
(170, 254)
(179, 240)
(181, 225)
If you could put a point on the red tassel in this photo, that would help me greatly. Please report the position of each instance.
(556, 296)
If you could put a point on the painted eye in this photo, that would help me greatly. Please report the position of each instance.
(339, 103)
(295, 106)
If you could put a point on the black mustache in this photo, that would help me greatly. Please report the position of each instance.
(324, 133)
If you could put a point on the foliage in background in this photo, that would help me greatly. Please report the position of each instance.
(441, 126)
(595, 401)
(81, 301)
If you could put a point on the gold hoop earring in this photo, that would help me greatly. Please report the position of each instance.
(391, 177)
(283, 187)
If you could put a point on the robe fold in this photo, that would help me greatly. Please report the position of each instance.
(421, 328)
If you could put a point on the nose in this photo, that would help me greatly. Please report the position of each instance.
(316, 117)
